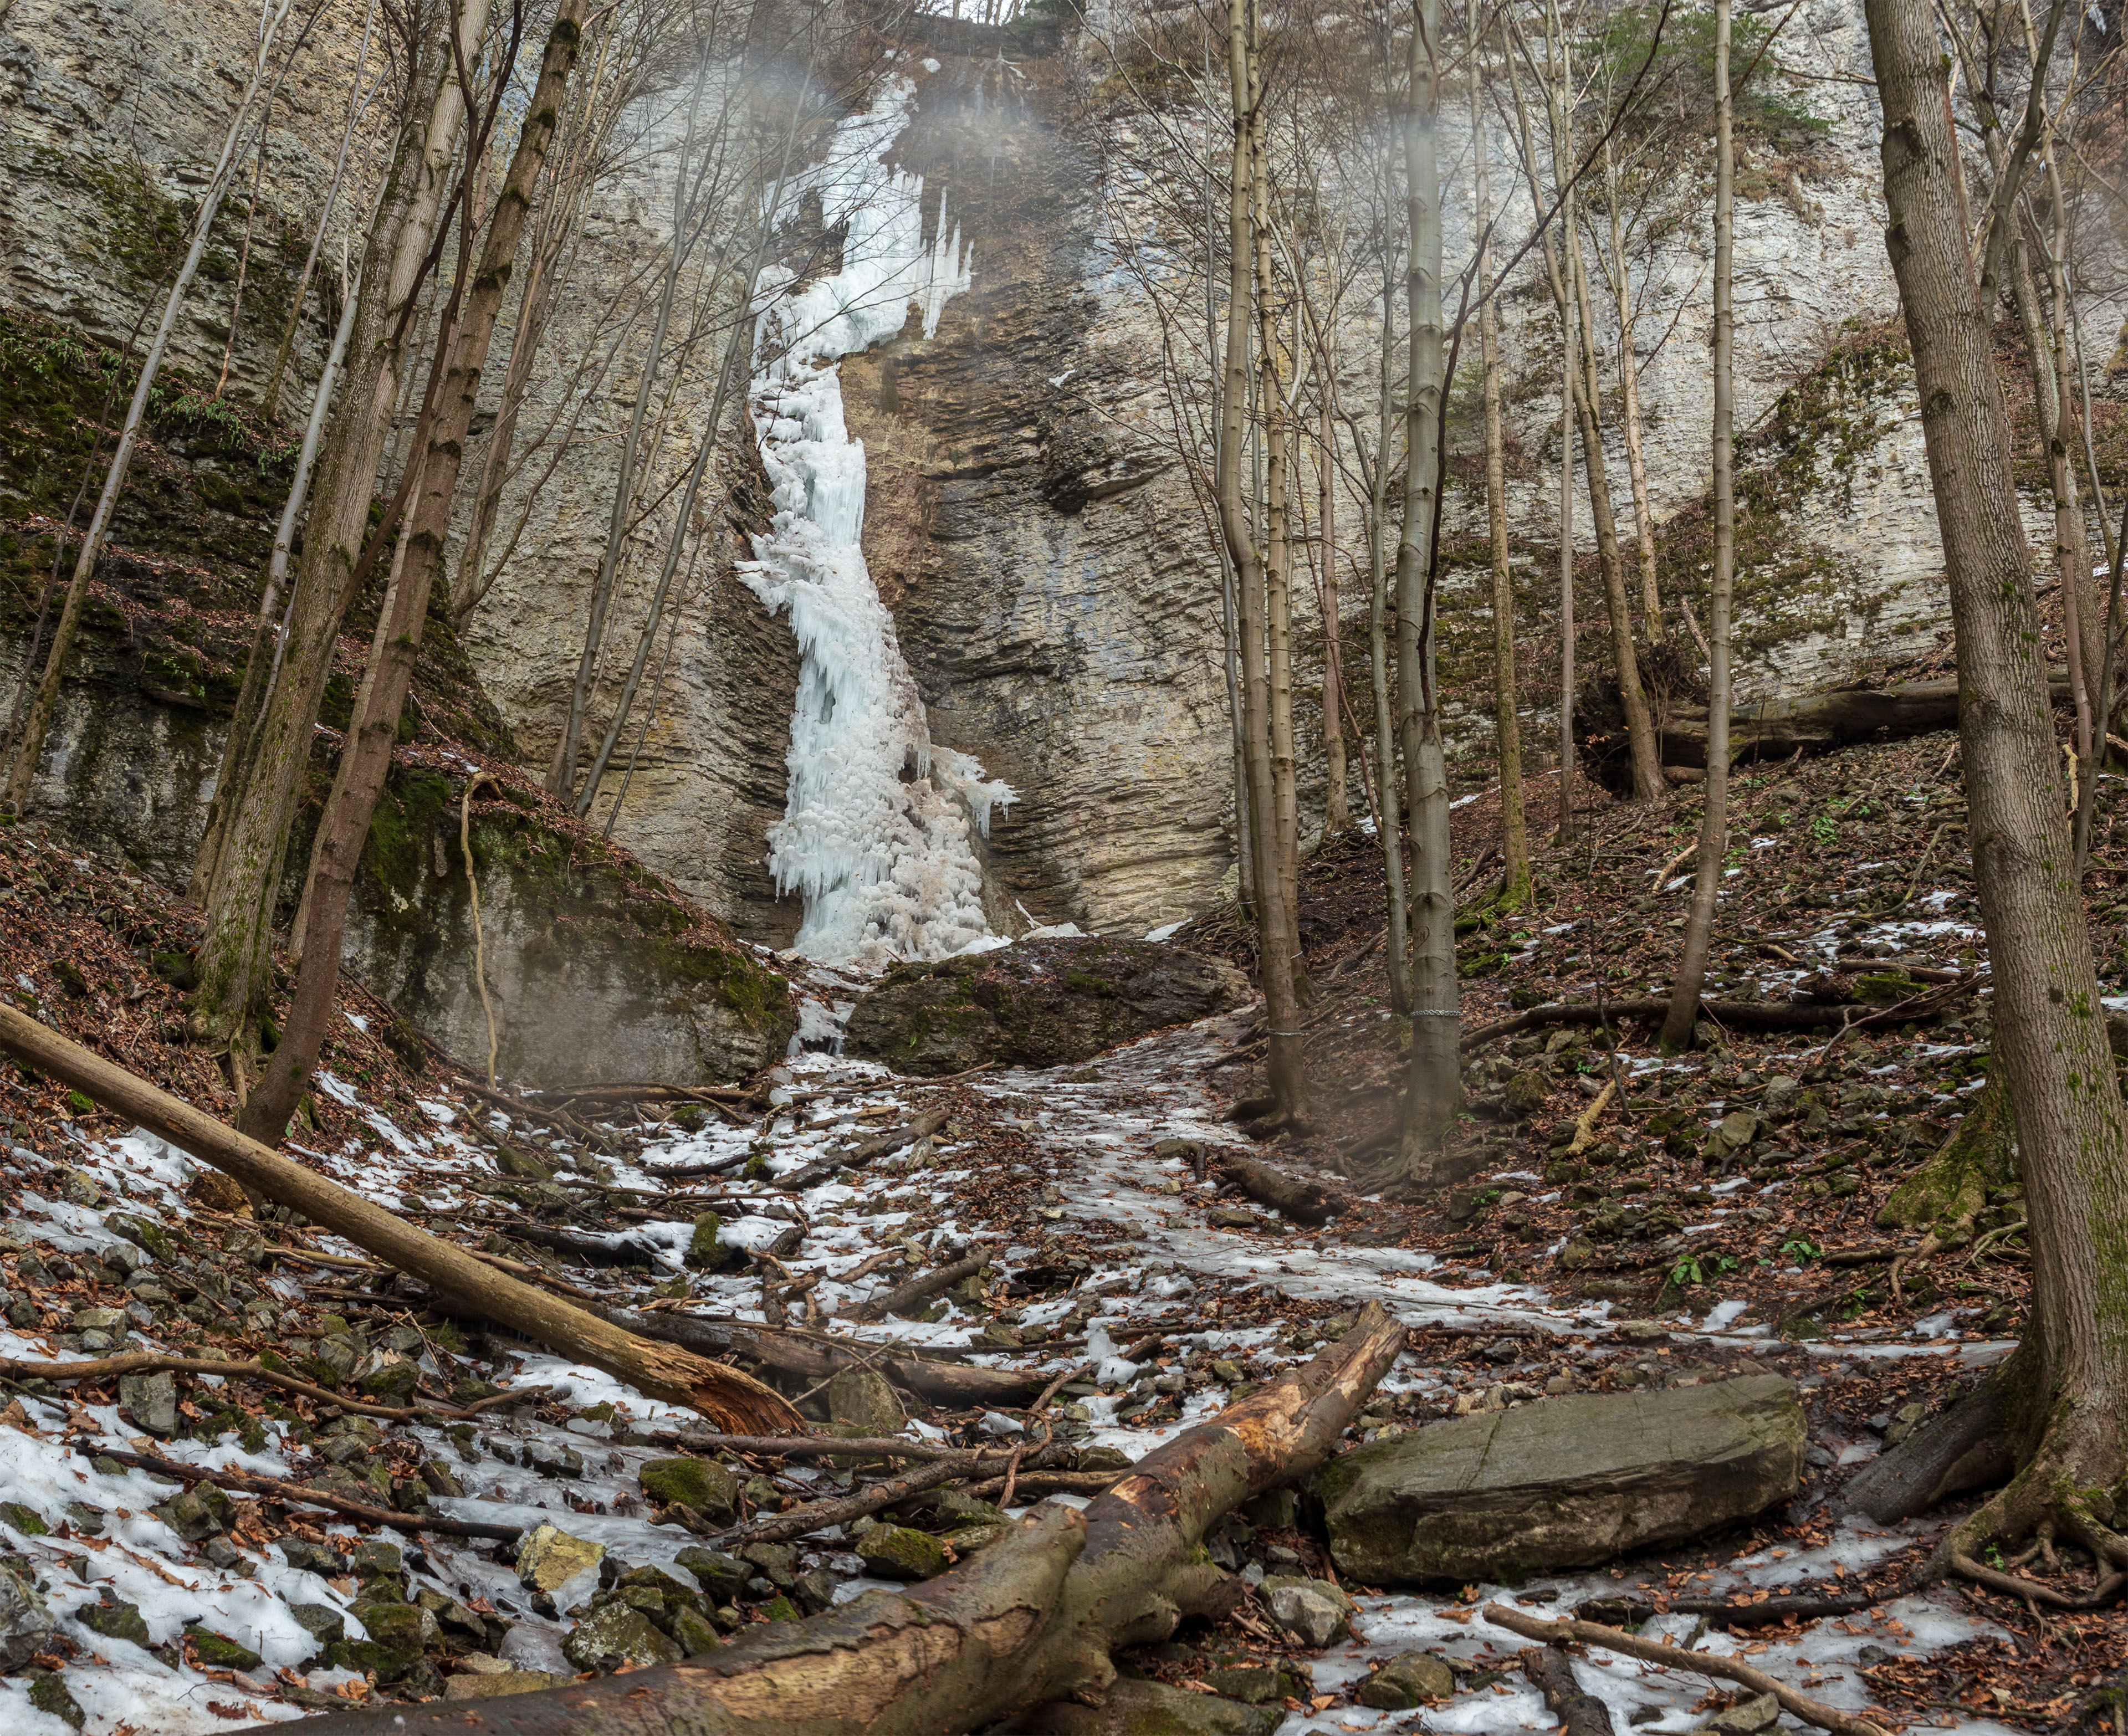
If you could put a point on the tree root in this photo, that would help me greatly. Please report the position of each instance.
(1028, 1621)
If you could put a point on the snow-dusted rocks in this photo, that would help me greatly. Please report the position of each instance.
(1567, 1482)
(1037, 1004)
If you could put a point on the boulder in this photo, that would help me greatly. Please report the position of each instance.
(616, 1634)
(1046, 1002)
(1131, 1708)
(549, 1558)
(26, 1621)
(864, 1399)
(1312, 1611)
(1565, 1484)
(1747, 1718)
(1407, 1681)
(703, 1484)
(896, 1552)
(495, 1684)
(151, 1400)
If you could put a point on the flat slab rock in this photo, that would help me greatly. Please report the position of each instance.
(1037, 1003)
(1568, 1482)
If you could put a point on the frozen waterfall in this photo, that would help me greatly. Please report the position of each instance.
(875, 834)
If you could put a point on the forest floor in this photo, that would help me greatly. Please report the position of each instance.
(1656, 1257)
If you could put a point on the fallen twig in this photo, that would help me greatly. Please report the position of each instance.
(1677, 1657)
(150, 1361)
(304, 1495)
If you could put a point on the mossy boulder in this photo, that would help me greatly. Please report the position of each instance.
(721, 1577)
(616, 1633)
(1405, 1682)
(1134, 1708)
(896, 1552)
(220, 1651)
(116, 1621)
(397, 1636)
(709, 1488)
(1046, 1002)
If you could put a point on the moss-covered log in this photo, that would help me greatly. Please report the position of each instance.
(1817, 722)
(1030, 1619)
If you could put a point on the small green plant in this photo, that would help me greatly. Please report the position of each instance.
(1824, 829)
(80, 1104)
(1803, 1252)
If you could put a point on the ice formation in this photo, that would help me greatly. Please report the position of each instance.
(875, 834)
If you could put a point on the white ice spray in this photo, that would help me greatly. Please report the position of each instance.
(876, 831)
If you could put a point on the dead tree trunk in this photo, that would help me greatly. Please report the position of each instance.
(1030, 1619)
(728, 1398)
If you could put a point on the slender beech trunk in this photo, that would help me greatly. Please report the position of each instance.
(1433, 1087)
(30, 744)
(1515, 883)
(1386, 781)
(366, 757)
(1337, 799)
(1275, 957)
(1629, 393)
(263, 663)
(1567, 628)
(1714, 816)
(1278, 560)
(233, 959)
(2067, 1386)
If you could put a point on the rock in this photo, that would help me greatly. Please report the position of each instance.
(49, 1694)
(693, 1634)
(1407, 1681)
(376, 1559)
(616, 1634)
(709, 1488)
(1953, 1185)
(25, 1620)
(196, 1514)
(863, 1398)
(1131, 1707)
(321, 1621)
(1747, 1719)
(1250, 1685)
(387, 1377)
(1313, 1611)
(218, 1651)
(1578, 1253)
(116, 1621)
(495, 1684)
(151, 1400)
(1044, 1002)
(548, 1559)
(721, 1577)
(896, 1552)
(1566, 1483)
(398, 1635)
(1643, 1332)
(1525, 1094)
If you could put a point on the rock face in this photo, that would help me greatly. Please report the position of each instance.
(1565, 1484)
(1037, 1004)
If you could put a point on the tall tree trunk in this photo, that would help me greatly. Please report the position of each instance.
(233, 958)
(263, 663)
(1629, 391)
(1515, 884)
(2069, 1378)
(1433, 1086)
(1398, 939)
(1274, 955)
(1567, 626)
(29, 748)
(365, 757)
(1336, 800)
(1714, 816)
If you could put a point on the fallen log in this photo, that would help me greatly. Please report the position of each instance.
(951, 1384)
(1031, 1620)
(728, 1397)
(1304, 1201)
(1743, 1015)
(893, 1139)
(1817, 722)
(1681, 1658)
(151, 1362)
(900, 1300)
(303, 1494)
(1550, 1672)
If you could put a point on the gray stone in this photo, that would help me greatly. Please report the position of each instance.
(116, 1621)
(151, 1400)
(1566, 1483)
(1040, 1003)
(25, 1620)
(1313, 1611)
(321, 1621)
(497, 1684)
(1407, 1681)
(614, 1634)
(863, 1398)
(1747, 1719)
(1131, 1708)
(896, 1552)
(709, 1488)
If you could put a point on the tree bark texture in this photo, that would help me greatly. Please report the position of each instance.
(366, 756)
(1397, 934)
(1030, 1619)
(233, 959)
(1714, 813)
(728, 1398)
(2051, 1032)
(1434, 1081)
